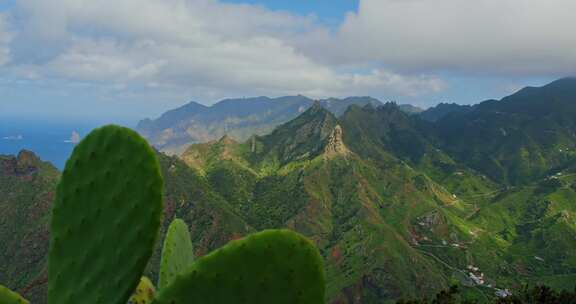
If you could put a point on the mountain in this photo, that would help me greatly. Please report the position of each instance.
(443, 109)
(388, 134)
(239, 118)
(399, 206)
(303, 176)
(392, 213)
(399, 191)
(410, 109)
(27, 187)
(525, 136)
(301, 138)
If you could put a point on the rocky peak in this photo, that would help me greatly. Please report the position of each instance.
(316, 107)
(303, 137)
(227, 152)
(227, 140)
(26, 163)
(27, 158)
(335, 145)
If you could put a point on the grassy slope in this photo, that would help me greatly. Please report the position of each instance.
(398, 216)
(27, 186)
(518, 139)
(361, 211)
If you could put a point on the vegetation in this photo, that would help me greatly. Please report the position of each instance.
(27, 186)
(241, 118)
(398, 207)
(9, 297)
(144, 293)
(105, 219)
(273, 266)
(527, 295)
(177, 254)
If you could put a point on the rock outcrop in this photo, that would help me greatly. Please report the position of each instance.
(335, 145)
(26, 163)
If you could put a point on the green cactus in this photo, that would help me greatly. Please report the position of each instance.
(105, 219)
(144, 293)
(273, 266)
(7, 296)
(177, 253)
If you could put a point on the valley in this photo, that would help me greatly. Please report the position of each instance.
(399, 205)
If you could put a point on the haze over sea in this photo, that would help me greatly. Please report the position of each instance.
(51, 140)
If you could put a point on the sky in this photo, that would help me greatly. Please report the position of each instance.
(131, 59)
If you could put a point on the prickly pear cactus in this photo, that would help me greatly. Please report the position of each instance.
(144, 293)
(9, 297)
(273, 266)
(105, 219)
(177, 253)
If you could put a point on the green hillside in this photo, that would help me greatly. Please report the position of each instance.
(400, 207)
(240, 118)
(518, 139)
(27, 188)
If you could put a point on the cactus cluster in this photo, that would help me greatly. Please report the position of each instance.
(272, 266)
(105, 221)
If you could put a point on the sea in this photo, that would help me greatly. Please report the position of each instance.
(52, 141)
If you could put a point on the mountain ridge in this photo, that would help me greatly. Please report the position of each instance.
(398, 206)
(240, 118)
(400, 184)
(517, 138)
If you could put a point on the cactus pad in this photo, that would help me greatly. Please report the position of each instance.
(144, 293)
(105, 219)
(9, 297)
(177, 254)
(273, 266)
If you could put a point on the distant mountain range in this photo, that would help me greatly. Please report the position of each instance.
(174, 130)
(400, 205)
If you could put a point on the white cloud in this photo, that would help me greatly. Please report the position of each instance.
(207, 50)
(5, 39)
(408, 86)
(200, 47)
(521, 37)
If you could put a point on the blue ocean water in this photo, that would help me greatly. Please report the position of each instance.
(50, 140)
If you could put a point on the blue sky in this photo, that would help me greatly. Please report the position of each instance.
(330, 12)
(123, 60)
(7, 4)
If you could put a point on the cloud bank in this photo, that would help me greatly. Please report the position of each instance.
(5, 39)
(209, 48)
(206, 49)
(509, 37)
